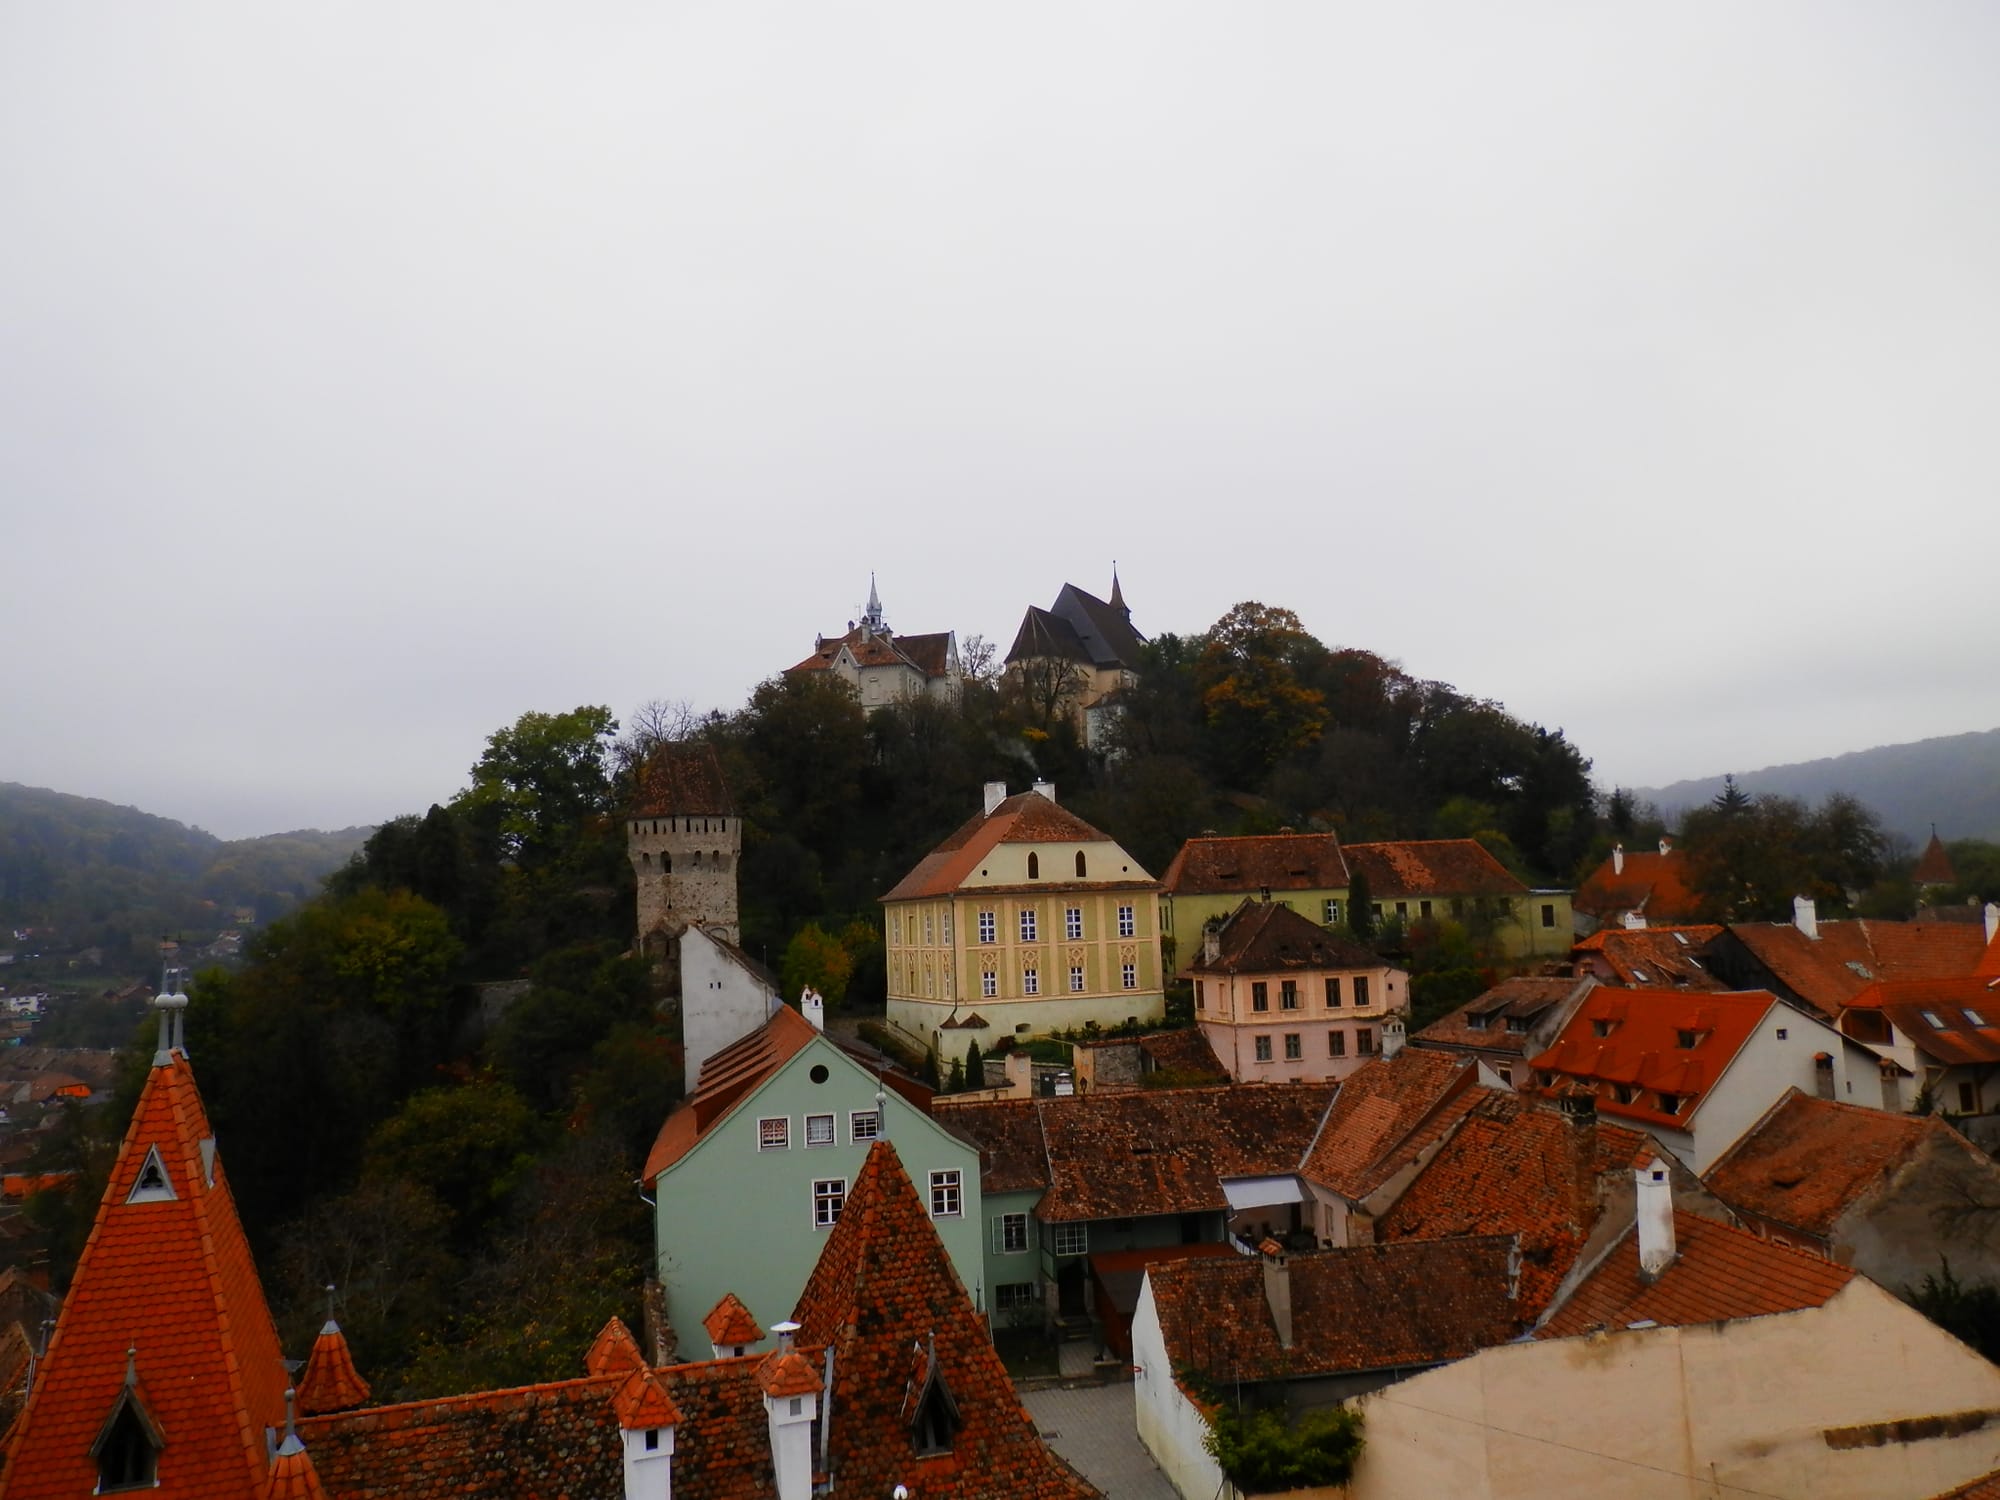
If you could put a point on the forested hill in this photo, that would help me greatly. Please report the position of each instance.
(1952, 781)
(94, 874)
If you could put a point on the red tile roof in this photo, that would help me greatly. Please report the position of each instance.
(1848, 956)
(1268, 937)
(1933, 866)
(1719, 1273)
(614, 1351)
(1372, 1307)
(1808, 1160)
(1986, 1487)
(1654, 957)
(292, 1474)
(786, 1374)
(883, 1290)
(682, 778)
(1516, 1166)
(1024, 818)
(1013, 1157)
(331, 1383)
(1651, 883)
(727, 1078)
(1387, 1111)
(1269, 862)
(1641, 1052)
(1504, 1018)
(173, 1279)
(642, 1402)
(1431, 867)
(729, 1323)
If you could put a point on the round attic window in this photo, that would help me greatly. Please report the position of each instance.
(818, 1073)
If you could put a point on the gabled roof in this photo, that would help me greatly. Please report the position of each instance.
(729, 1322)
(930, 654)
(1651, 883)
(1431, 867)
(727, 1078)
(883, 1295)
(1268, 937)
(1504, 1018)
(1933, 866)
(1950, 1021)
(1655, 957)
(1515, 1166)
(1274, 862)
(1024, 818)
(1828, 971)
(1104, 628)
(171, 1277)
(1385, 1113)
(682, 778)
(1370, 1307)
(1809, 1160)
(1013, 1157)
(1044, 634)
(1641, 1049)
(927, 655)
(1719, 1273)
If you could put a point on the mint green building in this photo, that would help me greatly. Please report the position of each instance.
(751, 1172)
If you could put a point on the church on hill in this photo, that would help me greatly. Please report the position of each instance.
(1074, 658)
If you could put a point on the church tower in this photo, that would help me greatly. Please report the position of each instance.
(684, 839)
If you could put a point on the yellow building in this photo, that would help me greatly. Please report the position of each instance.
(1026, 920)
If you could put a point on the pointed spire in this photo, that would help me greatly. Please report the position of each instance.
(1117, 592)
(872, 616)
(331, 1382)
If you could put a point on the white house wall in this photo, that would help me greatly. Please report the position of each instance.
(1764, 1067)
(1171, 1426)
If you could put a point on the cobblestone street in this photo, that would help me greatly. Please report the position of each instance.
(1092, 1427)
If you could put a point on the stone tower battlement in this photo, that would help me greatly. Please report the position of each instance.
(684, 838)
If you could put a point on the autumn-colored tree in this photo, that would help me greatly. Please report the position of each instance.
(1256, 706)
(816, 957)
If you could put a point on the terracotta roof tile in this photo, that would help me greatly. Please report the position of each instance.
(884, 1288)
(292, 1475)
(1274, 862)
(1517, 1167)
(330, 1383)
(1431, 867)
(1024, 818)
(1187, 1052)
(1630, 1041)
(642, 1402)
(1950, 1021)
(1503, 1019)
(1268, 937)
(1013, 1157)
(1848, 956)
(1809, 1159)
(1385, 1112)
(730, 1324)
(1371, 1307)
(1719, 1273)
(1933, 866)
(1651, 883)
(1654, 957)
(1987, 1487)
(614, 1351)
(727, 1078)
(786, 1374)
(682, 778)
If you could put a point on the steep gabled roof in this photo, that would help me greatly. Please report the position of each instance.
(1503, 1019)
(1719, 1273)
(727, 1078)
(1808, 1160)
(1655, 957)
(1431, 867)
(1651, 883)
(1517, 1167)
(1268, 937)
(682, 778)
(1950, 1021)
(1104, 628)
(1024, 818)
(1044, 634)
(1828, 971)
(1369, 1307)
(1385, 1113)
(1641, 1052)
(883, 1297)
(729, 1323)
(1273, 862)
(1933, 866)
(172, 1278)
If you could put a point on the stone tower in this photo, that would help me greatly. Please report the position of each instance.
(684, 839)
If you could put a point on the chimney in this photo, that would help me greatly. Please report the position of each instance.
(647, 1418)
(1992, 920)
(1020, 1074)
(1392, 1035)
(1211, 942)
(1579, 1107)
(1633, 921)
(791, 1402)
(1655, 1213)
(1278, 1289)
(1804, 917)
(813, 1007)
(996, 793)
(1047, 789)
(1617, 859)
(1666, 846)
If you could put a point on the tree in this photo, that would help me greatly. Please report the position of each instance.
(468, 1145)
(975, 1067)
(1256, 706)
(1259, 1453)
(978, 659)
(1360, 907)
(1732, 799)
(541, 777)
(816, 958)
(1748, 857)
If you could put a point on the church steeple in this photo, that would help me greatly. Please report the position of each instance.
(1118, 594)
(872, 616)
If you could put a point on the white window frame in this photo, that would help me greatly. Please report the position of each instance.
(829, 1198)
(1029, 925)
(1330, 910)
(989, 927)
(989, 984)
(1072, 1239)
(863, 1125)
(1031, 980)
(1011, 1296)
(1130, 973)
(1076, 979)
(831, 1127)
(1128, 921)
(779, 1139)
(1073, 923)
(1004, 1241)
(948, 1188)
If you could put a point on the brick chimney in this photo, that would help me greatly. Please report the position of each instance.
(996, 793)
(1805, 917)
(1278, 1289)
(1579, 1108)
(1655, 1213)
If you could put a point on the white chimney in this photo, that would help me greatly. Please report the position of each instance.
(1047, 789)
(813, 1007)
(791, 1402)
(1666, 846)
(1617, 859)
(1392, 1035)
(1633, 920)
(1020, 1074)
(1655, 1213)
(646, 1421)
(996, 793)
(1278, 1289)
(1992, 920)
(1805, 917)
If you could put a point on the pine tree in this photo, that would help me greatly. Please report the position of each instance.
(975, 1068)
(1360, 907)
(1732, 799)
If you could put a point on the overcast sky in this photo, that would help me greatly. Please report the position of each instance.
(372, 373)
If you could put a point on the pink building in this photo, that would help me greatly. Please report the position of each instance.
(1281, 998)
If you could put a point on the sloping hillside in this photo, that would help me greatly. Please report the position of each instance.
(1952, 781)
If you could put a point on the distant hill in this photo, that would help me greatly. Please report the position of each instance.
(1953, 781)
(90, 874)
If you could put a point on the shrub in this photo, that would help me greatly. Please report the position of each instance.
(1260, 1453)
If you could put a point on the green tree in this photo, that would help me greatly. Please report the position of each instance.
(1360, 907)
(1969, 1313)
(975, 1067)
(1255, 704)
(1260, 1453)
(817, 958)
(469, 1145)
(541, 778)
(576, 997)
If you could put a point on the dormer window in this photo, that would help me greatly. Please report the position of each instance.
(1670, 1104)
(1685, 1039)
(1475, 1023)
(127, 1450)
(152, 1184)
(1601, 1028)
(1517, 1023)
(937, 1420)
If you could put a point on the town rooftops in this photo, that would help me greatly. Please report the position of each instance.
(1950, 1021)
(1504, 1018)
(1268, 937)
(1646, 1049)
(1386, 1112)
(1719, 1273)
(1654, 957)
(1829, 970)
(1269, 862)
(1013, 1158)
(1809, 1160)
(1024, 818)
(1370, 1307)
(682, 778)
(1650, 882)
(1431, 867)
(727, 1079)
(1518, 1167)
(927, 655)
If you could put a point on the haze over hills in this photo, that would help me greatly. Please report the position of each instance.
(1952, 781)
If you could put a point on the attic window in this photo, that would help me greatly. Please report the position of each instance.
(1681, 938)
(1517, 1023)
(937, 1420)
(1601, 1028)
(1475, 1022)
(1670, 1104)
(1973, 1016)
(1687, 1039)
(1931, 1020)
(152, 1184)
(1640, 975)
(127, 1450)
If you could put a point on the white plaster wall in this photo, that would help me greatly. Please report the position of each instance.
(1169, 1424)
(1673, 1413)
(1765, 1067)
(720, 1001)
